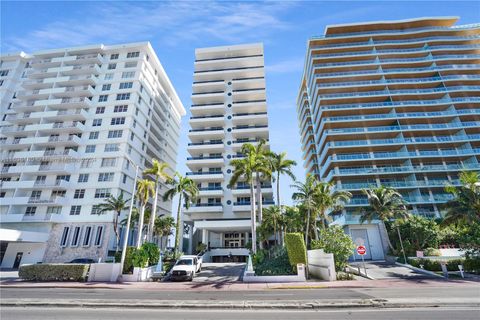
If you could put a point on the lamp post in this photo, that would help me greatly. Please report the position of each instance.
(129, 218)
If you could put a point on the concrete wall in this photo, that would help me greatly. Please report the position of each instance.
(374, 237)
(321, 265)
(32, 253)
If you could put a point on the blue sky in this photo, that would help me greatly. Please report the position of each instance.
(176, 28)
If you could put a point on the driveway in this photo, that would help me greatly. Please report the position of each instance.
(385, 270)
(220, 272)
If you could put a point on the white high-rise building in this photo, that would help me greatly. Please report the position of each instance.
(73, 123)
(228, 109)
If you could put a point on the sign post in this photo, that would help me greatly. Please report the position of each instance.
(361, 250)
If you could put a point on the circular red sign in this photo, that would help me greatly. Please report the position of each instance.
(361, 250)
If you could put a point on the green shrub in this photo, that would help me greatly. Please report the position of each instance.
(140, 258)
(344, 276)
(272, 262)
(297, 252)
(334, 240)
(432, 252)
(54, 272)
(472, 264)
(152, 252)
(435, 265)
(201, 247)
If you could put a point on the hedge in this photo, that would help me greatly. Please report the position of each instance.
(434, 265)
(54, 272)
(296, 249)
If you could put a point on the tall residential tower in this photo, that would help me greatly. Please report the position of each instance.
(395, 104)
(74, 123)
(228, 109)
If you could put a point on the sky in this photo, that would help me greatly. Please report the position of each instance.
(176, 28)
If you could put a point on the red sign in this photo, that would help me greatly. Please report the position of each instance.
(361, 250)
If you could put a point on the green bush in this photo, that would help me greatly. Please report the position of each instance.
(54, 272)
(472, 264)
(334, 240)
(201, 247)
(152, 252)
(432, 252)
(272, 262)
(297, 252)
(435, 265)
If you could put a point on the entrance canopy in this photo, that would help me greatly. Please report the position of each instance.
(224, 225)
(13, 235)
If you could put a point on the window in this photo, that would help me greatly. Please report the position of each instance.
(114, 56)
(93, 135)
(54, 210)
(86, 163)
(132, 136)
(117, 121)
(115, 133)
(111, 147)
(123, 96)
(75, 210)
(3, 73)
(109, 162)
(134, 123)
(108, 176)
(75, 237)
(120, 108)
(99, 236)
(30, 211)
(79, 194)
(87, 236)
(134, 54)
(103, 98)
(64, 239)
(1, 83)
(96, 209)
(90, 148)
(97, 122)
(130, 64)
(112, 66)
(102, 193)
(63, 177)
(100, 110)
(128, 74)
(106, 87)
(83, 177)
(108, 76)
(126, 85)
(124, 178)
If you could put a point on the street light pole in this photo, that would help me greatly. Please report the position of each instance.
(125, 240)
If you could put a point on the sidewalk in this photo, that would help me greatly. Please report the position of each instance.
(240, 286)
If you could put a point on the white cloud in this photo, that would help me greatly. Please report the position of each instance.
(170, 23)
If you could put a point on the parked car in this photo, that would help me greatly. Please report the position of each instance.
(186, 268)
(82, 261)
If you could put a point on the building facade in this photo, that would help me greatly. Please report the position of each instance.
(75, 123)
(395, 104)
(228, 109)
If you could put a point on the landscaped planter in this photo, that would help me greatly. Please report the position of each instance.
(139, 274)
(249, 275)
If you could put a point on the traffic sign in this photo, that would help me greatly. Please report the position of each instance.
(361, 250)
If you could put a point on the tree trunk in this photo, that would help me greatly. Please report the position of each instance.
(306, 229)
(382, 223)
(253, 218)
(259, 197)
(115, 230)
(278, 192)
(177, 227)
(153, 215)
(140, 226)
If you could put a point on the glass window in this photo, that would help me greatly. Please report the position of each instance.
(106, 87)
(64, 239)
(93, 135)
(30, 211)
(90, 148)
(87, 236)
(109, 162)
(123, 96)
(111, 147)
(97, 122)
(83, 177)
(120, 108)
(117, 121)
(108, 176)
(108, 76)
(100, 110)
(75, 210)
(126, 85)
(115, 133)
(135, 54)
(114, 56)
(79, 194)
(102, 193)
(99, 236)
(75, 237)
(103, 98)
(112, 66)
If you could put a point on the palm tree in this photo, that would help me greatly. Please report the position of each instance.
(247, 167)
(281, 165)
(328, 199)
(384, 204)
(163, 227)
(145, 190)
(272, 217)
(305, 195)
(158, 171)
(465, 206)
(262, 155)
(117, 205)
(188, 192)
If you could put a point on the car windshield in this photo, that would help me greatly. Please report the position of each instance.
(185, 262)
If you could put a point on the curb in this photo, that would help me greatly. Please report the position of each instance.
(420, 270)
(238, 305)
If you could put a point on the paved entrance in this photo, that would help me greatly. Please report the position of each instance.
(385, 270)
(220, 272)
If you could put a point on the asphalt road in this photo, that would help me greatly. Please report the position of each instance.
(146, 314)
(276, 294)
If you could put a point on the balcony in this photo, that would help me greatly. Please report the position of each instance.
(205, 208)
(204, 161)
(74, 91)
(249, 106)
(210, 192)
(56, 168)
(205, 146)
(207, 133)
(208, 120)
(81, 69)
(78, 80)
(206, 176)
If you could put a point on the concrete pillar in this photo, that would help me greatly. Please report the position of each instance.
(205, 237)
